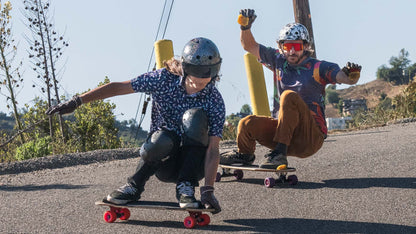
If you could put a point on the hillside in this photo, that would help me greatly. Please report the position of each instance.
(370, 91)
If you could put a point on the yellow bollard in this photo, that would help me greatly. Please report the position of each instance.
(256, 85)
(163, 52)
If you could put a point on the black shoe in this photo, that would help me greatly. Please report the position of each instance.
(273, 160)
(234, 157)
(185, 193)
(125, 194)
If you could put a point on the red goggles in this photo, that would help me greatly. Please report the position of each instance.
(295, 46)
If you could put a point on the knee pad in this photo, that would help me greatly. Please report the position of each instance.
(159, 146)
(195, 127)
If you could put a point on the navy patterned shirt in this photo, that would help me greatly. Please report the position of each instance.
(308, 79)
(170, 101)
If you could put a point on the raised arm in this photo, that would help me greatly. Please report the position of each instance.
(249, 44)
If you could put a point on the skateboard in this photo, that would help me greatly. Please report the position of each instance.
(196, 217)
(236, 170)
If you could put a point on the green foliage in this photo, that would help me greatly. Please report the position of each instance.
(11, 80)
(246, 110)
(94, 125)
(332, 96)
(231, 122)
(35, 116)
(340, 108)
(229, 132)
(401, 106)
(130, 134)
(405, 103)
(34, 149)
(400, 72)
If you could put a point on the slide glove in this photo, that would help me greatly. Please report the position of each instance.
(208, 199)
(353, 71)
(246, 18)
(65, 107)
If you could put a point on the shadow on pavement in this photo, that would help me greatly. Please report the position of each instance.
(8, 188)
(361, 183)
(348, 183)
(284, 225)
(294, 225)
(179, 225)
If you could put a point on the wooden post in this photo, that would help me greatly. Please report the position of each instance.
(303, 16)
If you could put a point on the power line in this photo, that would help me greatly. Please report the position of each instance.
(165, 25)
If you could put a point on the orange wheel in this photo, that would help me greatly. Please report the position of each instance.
(204, 220)
(189, 222)
(110, 216)
(125, 214)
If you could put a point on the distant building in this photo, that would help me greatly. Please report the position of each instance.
(337, 123)
(350, 106)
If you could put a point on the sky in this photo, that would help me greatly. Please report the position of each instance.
(115, 39)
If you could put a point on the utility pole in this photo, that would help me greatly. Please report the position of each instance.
(303, 16)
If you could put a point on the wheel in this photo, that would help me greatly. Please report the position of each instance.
(124, 214)
(238, 174)
(110, 216)
(269, 182)
(292, 179)
(218, 177)
(204, 220)
(189, 222)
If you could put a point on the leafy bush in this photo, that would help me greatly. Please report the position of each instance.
(34, 149)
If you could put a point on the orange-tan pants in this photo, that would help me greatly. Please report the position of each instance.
(295, 127)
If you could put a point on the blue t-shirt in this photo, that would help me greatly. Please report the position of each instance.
(308, 79)
(170, 101)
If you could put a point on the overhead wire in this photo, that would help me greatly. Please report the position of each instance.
(146, 96)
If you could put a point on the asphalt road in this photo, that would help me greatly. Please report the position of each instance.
(359, 182)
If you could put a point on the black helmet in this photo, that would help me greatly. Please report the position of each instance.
(201, 58)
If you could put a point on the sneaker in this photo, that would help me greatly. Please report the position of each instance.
(185, 193)
(274, 160)
(234, 157)
(125, 194)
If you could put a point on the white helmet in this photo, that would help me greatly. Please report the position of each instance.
(294, 31)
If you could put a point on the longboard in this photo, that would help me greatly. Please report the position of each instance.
(196, 217)
(237, 171)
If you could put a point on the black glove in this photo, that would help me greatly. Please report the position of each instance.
(208, 199)
(353, 71)
(66, 107)
(246, 18)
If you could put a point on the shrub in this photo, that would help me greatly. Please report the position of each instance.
(34, 149)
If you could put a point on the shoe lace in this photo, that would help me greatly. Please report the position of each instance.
(128, 189)
(186, 189)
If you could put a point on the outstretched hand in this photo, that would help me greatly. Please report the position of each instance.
(353, 71)
(246, 18)
(208, 199)
(65, 107)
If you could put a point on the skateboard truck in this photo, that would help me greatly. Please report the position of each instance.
(196, 217)
(269, 182)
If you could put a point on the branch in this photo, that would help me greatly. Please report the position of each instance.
(22, 131)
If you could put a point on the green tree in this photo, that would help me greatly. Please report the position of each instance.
(12, 79)
(46, 47)
(400, 72)
(246, 110)
(332, 96)
(94, 125)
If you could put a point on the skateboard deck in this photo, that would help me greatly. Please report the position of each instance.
(236, 170)
(196, 217)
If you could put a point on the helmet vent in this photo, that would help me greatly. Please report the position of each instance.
(210, 57)
(198, 57)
